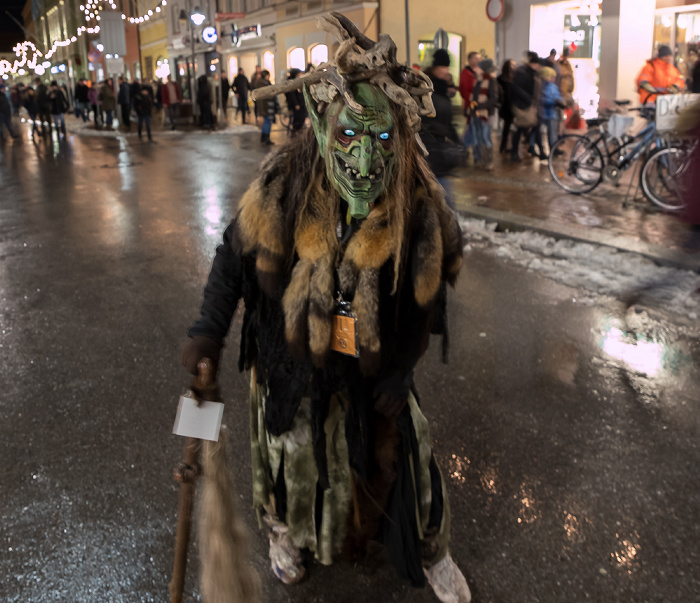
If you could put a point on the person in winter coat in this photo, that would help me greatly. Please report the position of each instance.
(134, 89)
(96, 104)
(346, 217)
(550, 102)
(438, 133)
(659, 75)
(505, 110)
(59, 105)
(240, 89)
(566, 81)
(267, 107)
(42, 93)
(32, 107)
(170, 97)
(484, 104)
(124, 100)
(81, 99)
(526, 91)
(296, 105)
(108, 100)
(206, 119)
(143, 105)
(5, 114)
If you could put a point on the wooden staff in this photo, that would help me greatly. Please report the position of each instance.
(186, 473)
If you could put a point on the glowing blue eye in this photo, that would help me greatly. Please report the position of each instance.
(384, 136)
(349, 132)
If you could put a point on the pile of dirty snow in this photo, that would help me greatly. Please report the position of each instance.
(597, 269)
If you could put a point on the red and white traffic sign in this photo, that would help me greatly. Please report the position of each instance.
(495, 9)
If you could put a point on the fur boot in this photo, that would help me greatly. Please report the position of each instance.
(285, 557)
(448, 581)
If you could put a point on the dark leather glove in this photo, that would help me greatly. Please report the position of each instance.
(199, 347)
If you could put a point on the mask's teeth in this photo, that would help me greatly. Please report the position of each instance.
(348, 171)
(371, 176)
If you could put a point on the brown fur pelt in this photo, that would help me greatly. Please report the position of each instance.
(410, 221)
(226, 574)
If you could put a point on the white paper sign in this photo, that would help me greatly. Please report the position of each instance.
(202, 422)
(669, 107)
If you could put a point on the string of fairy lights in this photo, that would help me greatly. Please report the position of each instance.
(30, 57)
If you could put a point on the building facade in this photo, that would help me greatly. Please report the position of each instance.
(279, 35)
(153, 40)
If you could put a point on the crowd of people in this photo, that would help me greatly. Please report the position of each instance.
(528, 104)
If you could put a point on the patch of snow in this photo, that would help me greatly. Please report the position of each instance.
(597, 269)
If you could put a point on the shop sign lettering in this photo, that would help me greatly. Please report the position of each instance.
(238, 34)
(670, 106)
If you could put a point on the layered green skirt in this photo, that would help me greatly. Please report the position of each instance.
(292, 453)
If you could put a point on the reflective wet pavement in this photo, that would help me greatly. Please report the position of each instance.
(567, 431)
(607, 214)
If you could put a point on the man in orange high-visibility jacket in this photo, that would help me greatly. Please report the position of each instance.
(659, 75)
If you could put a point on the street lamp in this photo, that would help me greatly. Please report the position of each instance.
(197, 16)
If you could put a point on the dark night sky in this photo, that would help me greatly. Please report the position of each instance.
(10, 32)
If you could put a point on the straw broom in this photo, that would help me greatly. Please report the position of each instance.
(226, 575)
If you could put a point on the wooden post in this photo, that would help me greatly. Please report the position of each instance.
(186, 473)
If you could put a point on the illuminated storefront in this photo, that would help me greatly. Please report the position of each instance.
(678, 26)
(610, 40)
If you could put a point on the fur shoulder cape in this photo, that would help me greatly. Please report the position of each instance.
(420, 235)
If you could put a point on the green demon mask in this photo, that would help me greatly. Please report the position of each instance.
(358, 147)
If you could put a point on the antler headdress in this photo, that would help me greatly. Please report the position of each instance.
(360, 59)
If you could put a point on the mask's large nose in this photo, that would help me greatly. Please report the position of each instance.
(365, 156)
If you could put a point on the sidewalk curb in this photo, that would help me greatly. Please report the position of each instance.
(514, 222)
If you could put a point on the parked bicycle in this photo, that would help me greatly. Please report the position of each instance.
(663, 176)
(579, 163)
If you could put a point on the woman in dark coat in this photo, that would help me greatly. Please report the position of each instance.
(296, 105)
(206, 119)
(505, 82)
(438, 133)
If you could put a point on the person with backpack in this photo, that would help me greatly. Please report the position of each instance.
(59, 106)
(32, 106)
(42, 97)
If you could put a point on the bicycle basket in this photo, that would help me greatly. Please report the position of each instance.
(619, 124)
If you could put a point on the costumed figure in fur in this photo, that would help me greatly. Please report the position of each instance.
(341, 249)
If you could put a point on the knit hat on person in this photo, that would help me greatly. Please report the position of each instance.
(441, 58)
(664, 51)
(547, 74)
(486, 66)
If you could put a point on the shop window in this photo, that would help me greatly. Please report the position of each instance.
(162, 68)
(296, 59)
(318, 54)
(269, 63)
(687, 42)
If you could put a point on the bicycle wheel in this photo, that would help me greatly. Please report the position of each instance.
(662, 178)
(576, 164)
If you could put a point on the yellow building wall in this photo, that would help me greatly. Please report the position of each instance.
(310, 34)
(154, 44)
(466, 18)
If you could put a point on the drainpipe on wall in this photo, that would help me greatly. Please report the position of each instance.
(408, 36)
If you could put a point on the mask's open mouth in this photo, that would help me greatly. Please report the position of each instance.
(376, 172)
